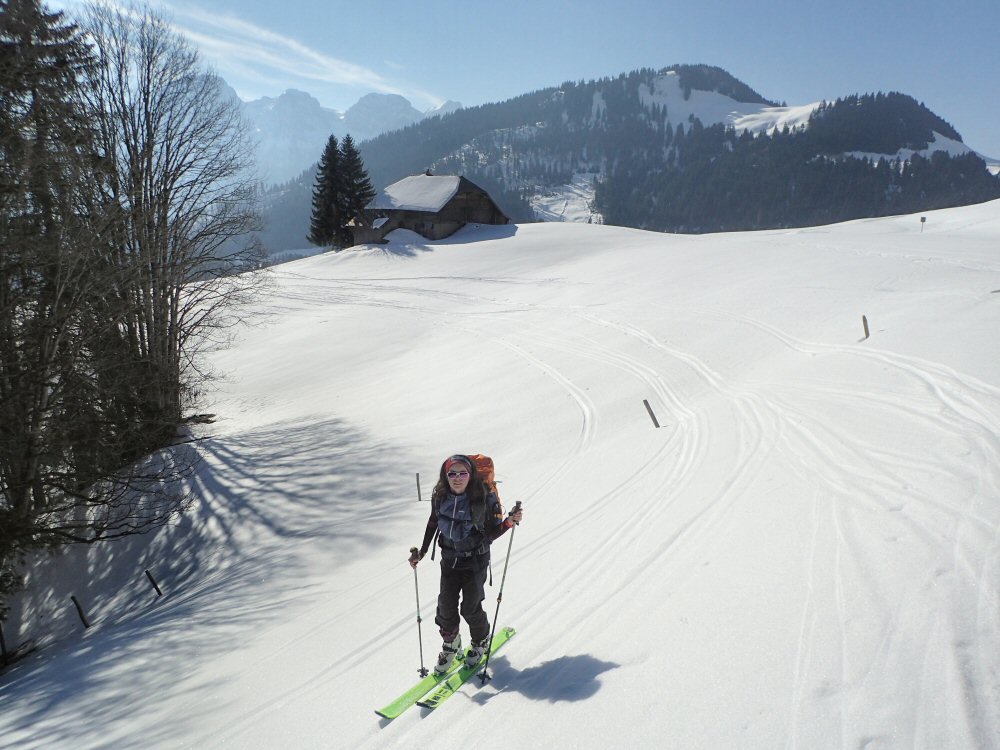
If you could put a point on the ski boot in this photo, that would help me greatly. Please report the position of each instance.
(449, 650)
(477, 650)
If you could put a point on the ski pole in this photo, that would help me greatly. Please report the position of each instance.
(484, 675)
(414, 552)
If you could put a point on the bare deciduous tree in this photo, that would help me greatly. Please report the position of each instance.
(126, 202)
(183, 158)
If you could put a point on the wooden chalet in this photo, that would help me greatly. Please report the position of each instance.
(433, 206)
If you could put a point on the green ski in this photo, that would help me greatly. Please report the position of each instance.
(418, 691)
(459, 677)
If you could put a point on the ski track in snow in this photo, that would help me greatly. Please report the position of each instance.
(961, 407)
(818, 451)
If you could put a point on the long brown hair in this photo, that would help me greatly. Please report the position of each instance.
(475, 489)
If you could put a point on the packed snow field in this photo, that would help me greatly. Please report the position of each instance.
(805, 553)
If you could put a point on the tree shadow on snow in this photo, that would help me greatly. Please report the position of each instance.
(408, 249)
(228, 568)
(568, 678)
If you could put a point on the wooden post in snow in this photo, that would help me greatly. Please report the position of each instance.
(864, 323)
(79, 611)
(153, 581)
(651, 415)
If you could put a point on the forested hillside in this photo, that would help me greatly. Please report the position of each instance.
(684, 149)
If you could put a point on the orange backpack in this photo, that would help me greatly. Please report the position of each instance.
(484, 468)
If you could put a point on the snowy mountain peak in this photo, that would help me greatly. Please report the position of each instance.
(443, 109)
(297, 98)
(377, 113)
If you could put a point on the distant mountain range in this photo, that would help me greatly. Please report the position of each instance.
(291, 129)
(688, 148)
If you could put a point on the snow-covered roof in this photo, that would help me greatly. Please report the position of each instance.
(418, 193)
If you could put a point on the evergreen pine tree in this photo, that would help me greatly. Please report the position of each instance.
(49, 225)
(327, 199)
(358, 189)
(341, 192)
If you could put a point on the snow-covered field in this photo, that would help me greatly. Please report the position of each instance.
(805, 554)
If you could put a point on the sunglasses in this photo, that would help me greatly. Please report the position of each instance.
(457, 474)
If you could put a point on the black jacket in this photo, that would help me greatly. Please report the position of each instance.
(464, 526)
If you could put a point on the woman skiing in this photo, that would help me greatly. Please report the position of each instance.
(467, 518)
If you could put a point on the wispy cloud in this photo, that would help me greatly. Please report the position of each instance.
(258, 61)
(233, 43)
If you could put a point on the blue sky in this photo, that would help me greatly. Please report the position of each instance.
(945, 54)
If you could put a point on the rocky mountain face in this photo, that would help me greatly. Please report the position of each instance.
(291, 129)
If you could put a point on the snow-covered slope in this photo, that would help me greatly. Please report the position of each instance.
(713, 108)
(573, 202)
(805, 554)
